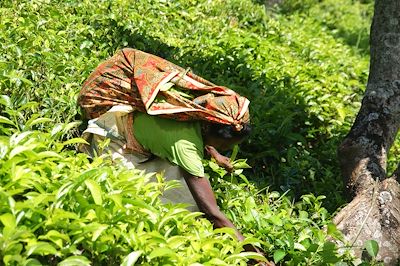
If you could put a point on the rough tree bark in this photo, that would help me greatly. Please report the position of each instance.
(374, 212)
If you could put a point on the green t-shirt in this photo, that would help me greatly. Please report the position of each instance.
(177, 141)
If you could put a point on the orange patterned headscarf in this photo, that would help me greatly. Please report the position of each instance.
(154, 85)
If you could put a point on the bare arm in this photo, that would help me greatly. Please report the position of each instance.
(204, 196)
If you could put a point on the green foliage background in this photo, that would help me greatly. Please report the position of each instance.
(303, 65)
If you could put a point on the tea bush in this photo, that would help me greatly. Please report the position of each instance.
(57, 207)
(303, 66)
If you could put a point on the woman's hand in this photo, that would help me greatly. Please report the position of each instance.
(252, 248)
(221, 160)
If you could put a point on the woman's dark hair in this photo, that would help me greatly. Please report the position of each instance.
(227, 131)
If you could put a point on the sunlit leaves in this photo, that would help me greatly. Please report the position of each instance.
(279, 255)
(279, 226)
(54, 203)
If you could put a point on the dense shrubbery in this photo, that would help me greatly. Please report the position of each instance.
(57, 207)
(302, 66)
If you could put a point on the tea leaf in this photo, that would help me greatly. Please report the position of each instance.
(95, 190)
(75, 261)
(8, 220)
(161, 252)
(41, 248)
(132, 258)
(372, 247)
(279, 255)
(5, 120)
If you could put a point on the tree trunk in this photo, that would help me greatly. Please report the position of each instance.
(374, 212)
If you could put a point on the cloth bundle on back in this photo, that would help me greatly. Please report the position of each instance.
(132, 81)
(136, 78)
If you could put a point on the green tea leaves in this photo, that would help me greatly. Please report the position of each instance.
(75, 261)
(279, 255)
(95, 190)
(132, 258)
(372, 248)
(5, 120)
(41, 248)
(8, 220)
